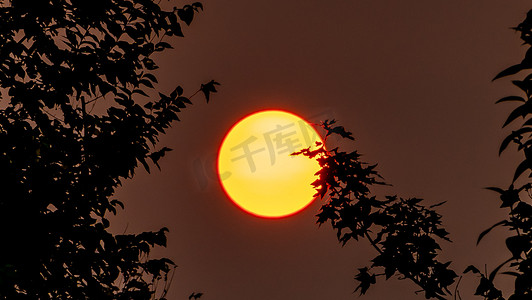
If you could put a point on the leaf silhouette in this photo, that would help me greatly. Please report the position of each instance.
(496, 189)
(186, 14)
(366, 280)
(510, 98)
(155, 156)
(510, 71)
(521, 168)
(517, 245)
(209, 88)
(195, 296)
(518, 112)
(494, 272)
(483, 233)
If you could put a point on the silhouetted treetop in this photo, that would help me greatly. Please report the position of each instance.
(60, 62)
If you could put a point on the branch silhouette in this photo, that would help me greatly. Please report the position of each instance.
(405, 231)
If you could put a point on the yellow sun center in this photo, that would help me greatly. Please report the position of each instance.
(256, 169)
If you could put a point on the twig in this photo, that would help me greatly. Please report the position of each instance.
(456, 292)
(53, 116)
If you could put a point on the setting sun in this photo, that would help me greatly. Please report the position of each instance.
(256, 169)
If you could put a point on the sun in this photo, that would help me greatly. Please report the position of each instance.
(256, 169)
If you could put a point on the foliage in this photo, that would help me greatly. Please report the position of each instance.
(403, 231)
(516, 198)
(61, 163)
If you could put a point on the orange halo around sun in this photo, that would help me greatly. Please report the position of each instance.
(256, 169)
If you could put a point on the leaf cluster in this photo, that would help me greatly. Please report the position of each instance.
(403, 231)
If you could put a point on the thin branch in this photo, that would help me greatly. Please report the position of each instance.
(199, 90)
(370, 239)
(94, 99)
(168, 283)
(53, 116)
(456, 292)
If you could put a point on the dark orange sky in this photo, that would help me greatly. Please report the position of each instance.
(410, 79)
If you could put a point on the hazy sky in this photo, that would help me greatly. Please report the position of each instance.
(410, 79)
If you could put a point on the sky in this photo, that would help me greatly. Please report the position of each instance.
(410, 79)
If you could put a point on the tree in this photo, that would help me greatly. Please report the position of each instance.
(404, 232)
(61, 162)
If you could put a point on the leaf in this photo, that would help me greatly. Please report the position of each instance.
(523, 166)
(141, 92)
(162, 45)
(209, 88)
(145, 165)
(520, 111)
(496, 189)
(511, 98)
(510, 71)
(438, 204)
(186, 14)
(195, 296)
(517, 244)
(506, 142)
(115, 202)
(155, 156)
(511, 273)
(178, 91)
(184, 100)
(366, 280)
(340, 130)
(494, 272)
(151, 77)
(483, 233)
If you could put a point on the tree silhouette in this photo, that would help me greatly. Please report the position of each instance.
(516, 198)
(405, 233)
(60, 62)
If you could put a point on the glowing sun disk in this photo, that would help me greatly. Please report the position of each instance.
(256, 169)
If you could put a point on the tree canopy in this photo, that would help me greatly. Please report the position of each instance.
(62, 162)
